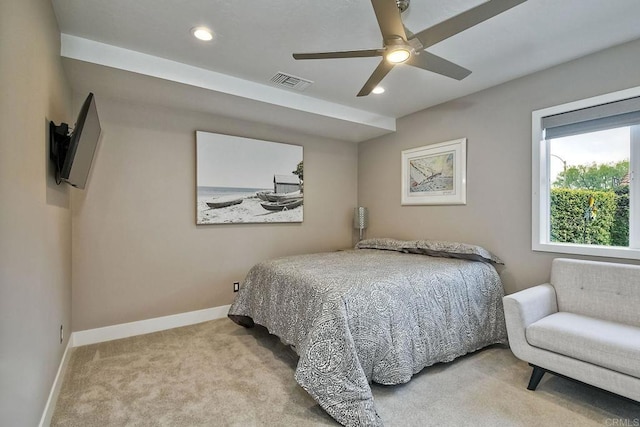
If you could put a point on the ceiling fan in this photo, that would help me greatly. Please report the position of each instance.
(399, 45)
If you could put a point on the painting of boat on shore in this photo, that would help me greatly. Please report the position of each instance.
(435, 174)
(431, 173)
(242, 180)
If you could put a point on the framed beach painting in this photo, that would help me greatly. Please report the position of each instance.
(243, 180)
(435, 174)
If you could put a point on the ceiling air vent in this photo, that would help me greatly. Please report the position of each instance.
(290, 82)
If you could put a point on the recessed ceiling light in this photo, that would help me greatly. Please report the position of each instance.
(378, 90)
(202, 33)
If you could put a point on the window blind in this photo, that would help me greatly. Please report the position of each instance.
(625, 112)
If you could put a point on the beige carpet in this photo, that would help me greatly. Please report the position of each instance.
(219, 374)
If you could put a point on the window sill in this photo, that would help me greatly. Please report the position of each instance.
(589, 250)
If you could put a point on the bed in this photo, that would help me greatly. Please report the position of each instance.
(378, 313)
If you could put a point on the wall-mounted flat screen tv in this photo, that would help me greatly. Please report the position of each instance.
(73, 152)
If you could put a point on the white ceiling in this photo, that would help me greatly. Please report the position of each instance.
(145, 51)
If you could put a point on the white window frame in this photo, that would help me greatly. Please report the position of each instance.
(540, 215)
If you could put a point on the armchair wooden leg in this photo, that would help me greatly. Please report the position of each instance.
(536, 376)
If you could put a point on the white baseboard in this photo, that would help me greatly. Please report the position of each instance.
(124, 330)
(47, 414)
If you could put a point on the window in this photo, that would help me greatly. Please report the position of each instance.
(586, 196)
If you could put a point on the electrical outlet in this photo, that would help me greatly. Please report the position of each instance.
(61, 334)
(236, 286)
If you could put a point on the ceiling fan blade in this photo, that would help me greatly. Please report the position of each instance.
(378, 74)
(408, 32)
(430, 62)
(389, 19)
(343, 54)
(465, 20)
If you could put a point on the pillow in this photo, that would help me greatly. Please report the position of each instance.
(455, 250)
(433, 248)
(384, 243)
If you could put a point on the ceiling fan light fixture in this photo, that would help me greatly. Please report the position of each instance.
(378, 90)
(397, 50)
(202, 33)
(398, 55)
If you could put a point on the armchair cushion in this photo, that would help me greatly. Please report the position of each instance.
(604, 290)
(608, 344)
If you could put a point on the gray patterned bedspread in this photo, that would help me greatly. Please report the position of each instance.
(371, 315)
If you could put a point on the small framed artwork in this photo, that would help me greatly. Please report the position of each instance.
(435, 174)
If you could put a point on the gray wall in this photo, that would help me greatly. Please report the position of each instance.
(497, 125)
(35, 219)
(137, 253)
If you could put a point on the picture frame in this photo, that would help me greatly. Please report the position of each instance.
(247, 181)
(435, 174)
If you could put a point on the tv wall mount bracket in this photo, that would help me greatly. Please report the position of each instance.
(59, 140)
